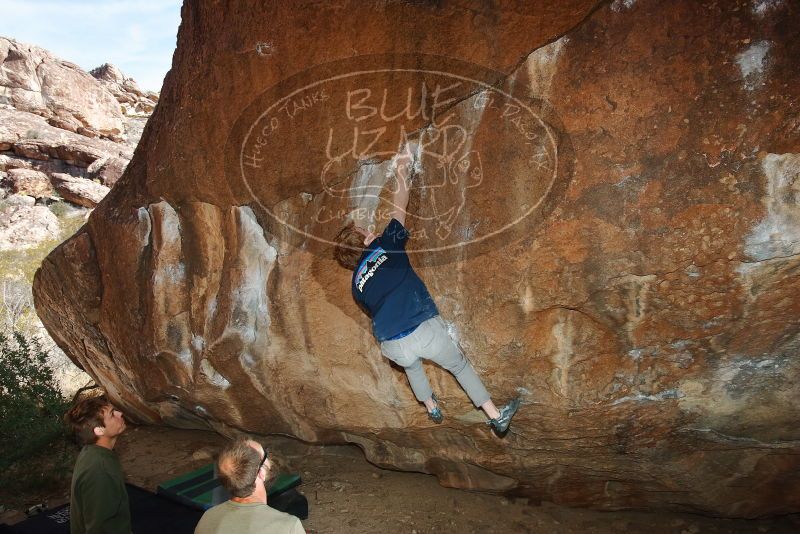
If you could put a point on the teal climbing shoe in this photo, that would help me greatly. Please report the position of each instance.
(501, 423)
(436, 414)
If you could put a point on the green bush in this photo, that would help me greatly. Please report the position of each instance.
(31, 409)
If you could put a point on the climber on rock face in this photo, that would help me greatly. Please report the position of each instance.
(405, 319)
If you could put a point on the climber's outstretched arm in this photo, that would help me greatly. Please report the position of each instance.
(404, 161)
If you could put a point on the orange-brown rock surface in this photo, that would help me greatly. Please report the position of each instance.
(606, 211)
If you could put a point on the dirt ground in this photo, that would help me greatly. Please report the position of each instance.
(346, 494)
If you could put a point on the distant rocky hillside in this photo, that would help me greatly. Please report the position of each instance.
(134, 101)
(66, 137)
(65, 134)
(101, 104)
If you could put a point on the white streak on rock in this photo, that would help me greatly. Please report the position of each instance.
(213, 375)
(752, 63)
(778, 234)
(542, 66)
(563, 335)
(247, 360)
(635, 354)
(619, 5)
(365, 193)
(144, 227)
(175, 273)
(198, 343)
(761, 7)
(167, 268)
(249, 306)
(452, 331)
(668, 394)
(171, 333)
(527, 300)
(185, 356)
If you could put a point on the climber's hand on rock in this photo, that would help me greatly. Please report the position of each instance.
(405, 163)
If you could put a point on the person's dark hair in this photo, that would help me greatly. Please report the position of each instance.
(238, 466)
(349, 246)
(85, 415)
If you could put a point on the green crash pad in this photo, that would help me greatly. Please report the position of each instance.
(202, 489)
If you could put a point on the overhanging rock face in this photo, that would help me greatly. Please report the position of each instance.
(606, 211)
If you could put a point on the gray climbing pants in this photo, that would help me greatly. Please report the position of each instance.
(431, 341)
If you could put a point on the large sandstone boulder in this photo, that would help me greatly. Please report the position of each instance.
(24, 226)
(606, 212)
(79, 191)
(108, 169)
(29, 182)
(27, 141)
(31, 79)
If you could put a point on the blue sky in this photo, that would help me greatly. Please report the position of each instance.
(136, 36)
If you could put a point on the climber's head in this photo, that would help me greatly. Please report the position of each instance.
(350, 243)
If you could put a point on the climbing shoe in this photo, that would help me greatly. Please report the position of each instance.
(436, 414)
(500, 424)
